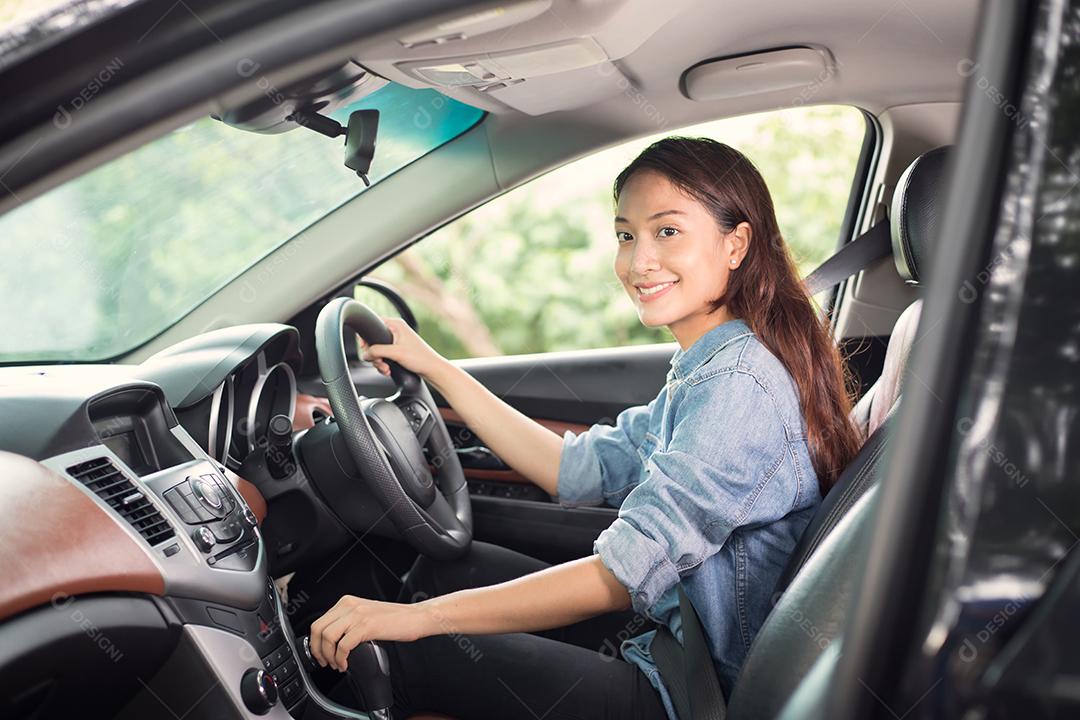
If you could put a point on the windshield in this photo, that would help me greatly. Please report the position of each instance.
(100, 265)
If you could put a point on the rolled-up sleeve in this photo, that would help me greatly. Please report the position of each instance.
(728, 442)
(602, 465)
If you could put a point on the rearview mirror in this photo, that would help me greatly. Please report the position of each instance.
(360, 141)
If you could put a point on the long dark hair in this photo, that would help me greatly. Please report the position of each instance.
(766, 290)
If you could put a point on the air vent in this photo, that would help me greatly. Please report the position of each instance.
(108, 483)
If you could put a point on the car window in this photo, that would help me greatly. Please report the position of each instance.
(531, 271)
(99, 265)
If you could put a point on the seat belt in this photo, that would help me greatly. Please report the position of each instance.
(687, 669)
(857, 255)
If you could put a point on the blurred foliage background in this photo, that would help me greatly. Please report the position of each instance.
(531, 271)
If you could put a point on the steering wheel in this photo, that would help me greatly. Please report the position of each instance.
(386, 437)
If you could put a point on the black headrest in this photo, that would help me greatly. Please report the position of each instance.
(916, 213)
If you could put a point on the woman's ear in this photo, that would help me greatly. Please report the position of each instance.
(740, 241)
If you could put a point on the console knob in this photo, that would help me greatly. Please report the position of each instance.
(259, 691)
(203, 538)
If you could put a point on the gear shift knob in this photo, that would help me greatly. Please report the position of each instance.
(368, 674)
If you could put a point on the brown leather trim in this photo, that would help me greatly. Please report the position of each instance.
(250, 493)
(557, 426)
(58, 543)
(303, 417)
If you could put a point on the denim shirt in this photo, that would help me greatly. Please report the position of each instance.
(714, 486)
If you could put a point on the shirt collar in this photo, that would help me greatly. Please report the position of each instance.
(684, 362)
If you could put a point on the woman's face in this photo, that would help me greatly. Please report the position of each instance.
(673, 259)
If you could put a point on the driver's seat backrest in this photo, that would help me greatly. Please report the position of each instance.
(805, 621)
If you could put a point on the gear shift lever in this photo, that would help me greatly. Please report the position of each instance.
(368, 673)
(369, 676)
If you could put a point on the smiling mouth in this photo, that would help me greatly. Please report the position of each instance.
(654, 291)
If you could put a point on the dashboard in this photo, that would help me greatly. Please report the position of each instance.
(232, 416)
(129, 534)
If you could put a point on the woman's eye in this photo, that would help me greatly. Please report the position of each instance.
(668, 232)
(624, 236)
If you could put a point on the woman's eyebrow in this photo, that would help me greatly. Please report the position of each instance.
(662, 213)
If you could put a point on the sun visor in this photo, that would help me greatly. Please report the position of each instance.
(757, 73)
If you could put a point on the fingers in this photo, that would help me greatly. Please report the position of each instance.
(315, 640)
(378, 363)
(345, 645)
(327, 630)
(381, 351)
(330, 638)
(337, 639)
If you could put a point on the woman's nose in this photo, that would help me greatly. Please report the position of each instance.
(644, 258)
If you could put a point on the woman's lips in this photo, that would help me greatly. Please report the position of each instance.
(655, 294)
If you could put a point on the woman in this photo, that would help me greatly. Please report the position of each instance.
(715, 479)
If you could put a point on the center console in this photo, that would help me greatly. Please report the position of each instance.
(221, 527)
(182, 511)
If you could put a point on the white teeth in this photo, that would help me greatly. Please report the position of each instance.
(655, 288)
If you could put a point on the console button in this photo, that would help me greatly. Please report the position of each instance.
(201, 510)
(226, 530)
(291, 692)
(285, 672)
(277, 657)
(226, 494)
(180, 505)
(279, 654)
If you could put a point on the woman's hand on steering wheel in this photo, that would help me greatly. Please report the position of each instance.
(408, 350)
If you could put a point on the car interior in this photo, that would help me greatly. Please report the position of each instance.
(212, 485)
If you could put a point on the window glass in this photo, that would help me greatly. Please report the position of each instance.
(102, 264)
(531, 271)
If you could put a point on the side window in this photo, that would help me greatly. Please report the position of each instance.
(531, 271)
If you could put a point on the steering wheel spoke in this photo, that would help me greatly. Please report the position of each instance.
(420, 416)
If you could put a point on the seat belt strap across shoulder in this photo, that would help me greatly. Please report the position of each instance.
(857, 255)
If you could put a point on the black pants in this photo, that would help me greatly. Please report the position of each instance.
(563, 674)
